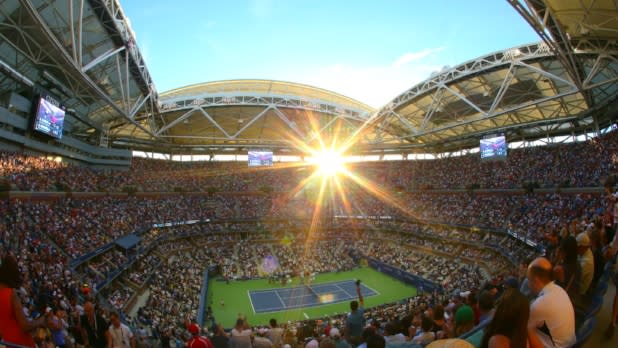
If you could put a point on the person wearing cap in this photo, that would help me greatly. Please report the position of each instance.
(552, 317)
(586, 262)
(197, 341)
(464, 320)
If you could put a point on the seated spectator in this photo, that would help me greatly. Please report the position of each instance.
(509, 325)
(552, 317)
(486, 307)
(425, 335)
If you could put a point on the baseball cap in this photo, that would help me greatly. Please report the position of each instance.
(464, 315)
(194, 329)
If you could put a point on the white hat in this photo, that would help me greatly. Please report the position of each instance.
(334, 332)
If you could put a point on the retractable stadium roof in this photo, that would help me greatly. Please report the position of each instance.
(86, 52)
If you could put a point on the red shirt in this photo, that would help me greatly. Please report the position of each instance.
(9, 327)
(199, 342)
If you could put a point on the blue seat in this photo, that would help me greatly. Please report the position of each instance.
(601, 288)
(594, 307)
(585, 331)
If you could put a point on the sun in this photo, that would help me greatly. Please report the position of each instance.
(329, 162)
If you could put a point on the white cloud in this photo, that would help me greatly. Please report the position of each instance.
(373, 85)
(412, 56)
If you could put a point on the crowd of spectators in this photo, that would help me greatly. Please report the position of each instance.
(582, 164)
(45, 235)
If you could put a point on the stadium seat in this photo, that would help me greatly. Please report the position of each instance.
(594, 307)
(585, 331)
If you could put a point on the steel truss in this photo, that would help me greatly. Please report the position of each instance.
(268, 102)
(84, 50)
(599, 75)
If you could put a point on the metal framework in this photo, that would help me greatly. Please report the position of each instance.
(82, 51)
(85, 52)
(232, 117)
(522, 87)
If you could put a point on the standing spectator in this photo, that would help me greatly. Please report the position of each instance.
(356, 321)
(196, 340)
(552, 317)
(94, 327)
(586, 262)
(54, 322)
(220, 339)
(567, 273)
(610, 254)
(120, 336)
(275, 334)
(14, 326)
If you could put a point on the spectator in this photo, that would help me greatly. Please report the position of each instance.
(509, 325)
(94, 327)
(355, 320)
(552, 317)
(486, 307)
(14, 326)
(220, 339)
(119, 335)
(275, 334)
(197, 341)
(425, 335)
(339, 341)
(586, 262)
(567, 273)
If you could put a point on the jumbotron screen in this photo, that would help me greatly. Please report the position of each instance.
(260, 158)
(493, 148)
(49, 117)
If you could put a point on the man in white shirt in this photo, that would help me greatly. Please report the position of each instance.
(552, 317)
(120, 336)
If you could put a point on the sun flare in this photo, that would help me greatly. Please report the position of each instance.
(329, 163)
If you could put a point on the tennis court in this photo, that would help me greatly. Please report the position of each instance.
(280, 299)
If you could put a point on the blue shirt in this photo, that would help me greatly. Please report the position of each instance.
(356, 322)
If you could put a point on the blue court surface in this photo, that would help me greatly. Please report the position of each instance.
(281, 299)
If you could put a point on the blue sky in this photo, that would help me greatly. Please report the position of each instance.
(367, 50)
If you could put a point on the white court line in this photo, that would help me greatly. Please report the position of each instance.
(306, 316)
(375, 291)
(344, 290)
(280, 300)
(251, 301)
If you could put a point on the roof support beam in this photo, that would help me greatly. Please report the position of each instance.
(176, 121)
(289, 123)
(101, 58)
(460, 96)
(209, 118)
(252, 121)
